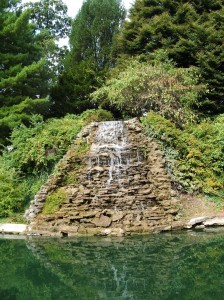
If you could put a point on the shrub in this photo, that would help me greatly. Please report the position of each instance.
(36, 148)
(35, 151)
(12, 191)
(194, 155)
(96, 115)
(157, 86)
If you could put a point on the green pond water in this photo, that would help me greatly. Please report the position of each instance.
(162, 266)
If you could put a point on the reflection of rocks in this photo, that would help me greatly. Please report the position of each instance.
(110, 267)
(121, 184)
(137, 267)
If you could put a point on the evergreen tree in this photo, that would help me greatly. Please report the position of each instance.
(191, 32)
(70, 94)
(93, 32)
(211, 62)
(23, 72)
(91, 54)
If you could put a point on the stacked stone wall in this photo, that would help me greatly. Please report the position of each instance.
(136, 199)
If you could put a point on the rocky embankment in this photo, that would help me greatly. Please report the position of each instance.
(117, 186)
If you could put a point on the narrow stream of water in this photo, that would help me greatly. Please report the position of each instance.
(112, 150)
(109, 148)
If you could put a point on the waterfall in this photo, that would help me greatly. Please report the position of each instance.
(114, 188)
(109, 150)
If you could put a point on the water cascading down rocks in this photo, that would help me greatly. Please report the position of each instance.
(110, 152)
(118, 186)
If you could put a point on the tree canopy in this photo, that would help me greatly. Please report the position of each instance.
(50, 15)
(190, 32)
(29, 58)
(52, 23)
(23, 69)
(159, 86)
(91, 54)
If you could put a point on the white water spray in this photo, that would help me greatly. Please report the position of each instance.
(109, 147)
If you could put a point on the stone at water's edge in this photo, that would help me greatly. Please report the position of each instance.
(13, 228)
(120, 186)
(205, 221)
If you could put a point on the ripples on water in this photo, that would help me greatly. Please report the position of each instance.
(165, 266)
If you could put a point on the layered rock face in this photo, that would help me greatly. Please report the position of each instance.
(119, 186)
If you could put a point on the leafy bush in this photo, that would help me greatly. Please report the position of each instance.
(12, 116)
(97, 115)
(157, 86)
(12, 191)
(205, 157)
(36, 148)
(35, 151)
(194, 155)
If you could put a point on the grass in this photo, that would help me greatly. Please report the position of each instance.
(54, 201)
(14, 218)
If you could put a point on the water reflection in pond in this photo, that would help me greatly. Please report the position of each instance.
(164, 266)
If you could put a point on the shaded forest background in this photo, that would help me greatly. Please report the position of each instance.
(163, 63)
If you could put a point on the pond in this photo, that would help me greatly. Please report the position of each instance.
(162, 266)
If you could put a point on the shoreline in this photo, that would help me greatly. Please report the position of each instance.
(203, 223)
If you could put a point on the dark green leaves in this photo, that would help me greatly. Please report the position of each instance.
(50, 15)
(191, 33)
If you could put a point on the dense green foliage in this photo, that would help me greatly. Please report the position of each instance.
(29, 59)
(23, 70)
(35, 150)
(11, 191)
(93, 32)
(190, 32)
(53, 23)
(50, 15)
(161, 87)
(54, 201)
(164, 62)
(194, 155)
(91, 54)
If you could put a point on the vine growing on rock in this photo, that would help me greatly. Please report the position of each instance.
(25, 166)
(194, 155)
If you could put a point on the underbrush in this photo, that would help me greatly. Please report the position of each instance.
(194, 155)
(33, 153)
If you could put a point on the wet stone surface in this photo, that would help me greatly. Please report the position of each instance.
(121, 184)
